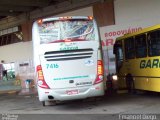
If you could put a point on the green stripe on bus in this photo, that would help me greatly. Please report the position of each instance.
(74, 77)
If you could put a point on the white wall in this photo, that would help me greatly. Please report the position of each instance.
(16, 52)
(127, 11)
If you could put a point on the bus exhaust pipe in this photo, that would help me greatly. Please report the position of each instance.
(50, 97)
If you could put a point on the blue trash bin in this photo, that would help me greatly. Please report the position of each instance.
(28, 83)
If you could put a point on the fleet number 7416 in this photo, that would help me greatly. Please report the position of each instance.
(52, 66)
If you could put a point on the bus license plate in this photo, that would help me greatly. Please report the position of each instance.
(72, 92)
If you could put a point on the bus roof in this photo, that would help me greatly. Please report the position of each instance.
(67, 17)
(139, 32)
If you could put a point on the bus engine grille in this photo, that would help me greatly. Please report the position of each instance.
(68, 54)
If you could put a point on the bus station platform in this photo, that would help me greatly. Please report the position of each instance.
(9, 87)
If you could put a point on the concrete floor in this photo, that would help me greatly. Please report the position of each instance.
(109, 106)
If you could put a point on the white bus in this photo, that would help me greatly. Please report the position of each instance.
(68, 58)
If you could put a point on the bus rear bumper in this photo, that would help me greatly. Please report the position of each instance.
(71, 93)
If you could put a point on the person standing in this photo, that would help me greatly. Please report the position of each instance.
(1, 71)
(4, 72)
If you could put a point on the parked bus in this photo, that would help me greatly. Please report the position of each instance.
(138, 60)
(68, 58)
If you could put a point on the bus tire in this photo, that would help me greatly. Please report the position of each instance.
(43, 103)
(49, 103)
(130, 83)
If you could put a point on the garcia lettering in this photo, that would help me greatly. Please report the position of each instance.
(155, 63)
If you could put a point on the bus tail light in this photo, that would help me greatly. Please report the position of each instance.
(41, 82)
(90, 17)
(40, 22)
(99, 72)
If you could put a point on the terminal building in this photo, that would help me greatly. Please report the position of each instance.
(114, 17)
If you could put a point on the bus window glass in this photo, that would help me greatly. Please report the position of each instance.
(154, 43)
(119, 54)
(141, 48)
(129, 48)
(59, 30)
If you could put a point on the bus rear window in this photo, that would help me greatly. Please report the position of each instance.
(129, 48)
(59, 30)
(154, 43)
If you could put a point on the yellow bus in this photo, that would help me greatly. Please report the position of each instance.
(137, 57)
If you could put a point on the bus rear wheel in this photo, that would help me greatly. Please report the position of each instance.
(43, 103)
(130, 84)
(49, 103)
